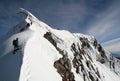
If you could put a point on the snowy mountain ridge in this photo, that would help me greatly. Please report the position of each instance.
(48, 54)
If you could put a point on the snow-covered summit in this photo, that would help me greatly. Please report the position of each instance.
(26, 15)
(47, 54)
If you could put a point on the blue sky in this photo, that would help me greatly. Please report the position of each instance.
(100, 18)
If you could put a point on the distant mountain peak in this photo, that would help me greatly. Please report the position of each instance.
(26, 15)
(23, 13)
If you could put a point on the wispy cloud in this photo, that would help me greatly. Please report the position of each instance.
(113, 45)
(94, 17)
(105, 22)
(111, 42)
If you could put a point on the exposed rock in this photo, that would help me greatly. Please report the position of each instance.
(49, 37)
(63, 67)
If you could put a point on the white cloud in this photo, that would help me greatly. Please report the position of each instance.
(105, 22)
(112, 45)
(115, 48)
(114, 41)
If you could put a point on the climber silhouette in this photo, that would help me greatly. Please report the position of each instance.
(16, 45)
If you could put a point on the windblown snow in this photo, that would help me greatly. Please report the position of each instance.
(48, 54)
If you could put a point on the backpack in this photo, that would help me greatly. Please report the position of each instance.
(14, 42)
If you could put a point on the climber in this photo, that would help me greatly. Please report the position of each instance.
(16, 45)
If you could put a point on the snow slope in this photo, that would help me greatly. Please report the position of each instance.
(42, 47)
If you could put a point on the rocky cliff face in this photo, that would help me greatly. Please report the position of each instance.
(86, 51)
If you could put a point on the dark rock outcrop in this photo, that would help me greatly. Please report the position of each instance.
(63, 67)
